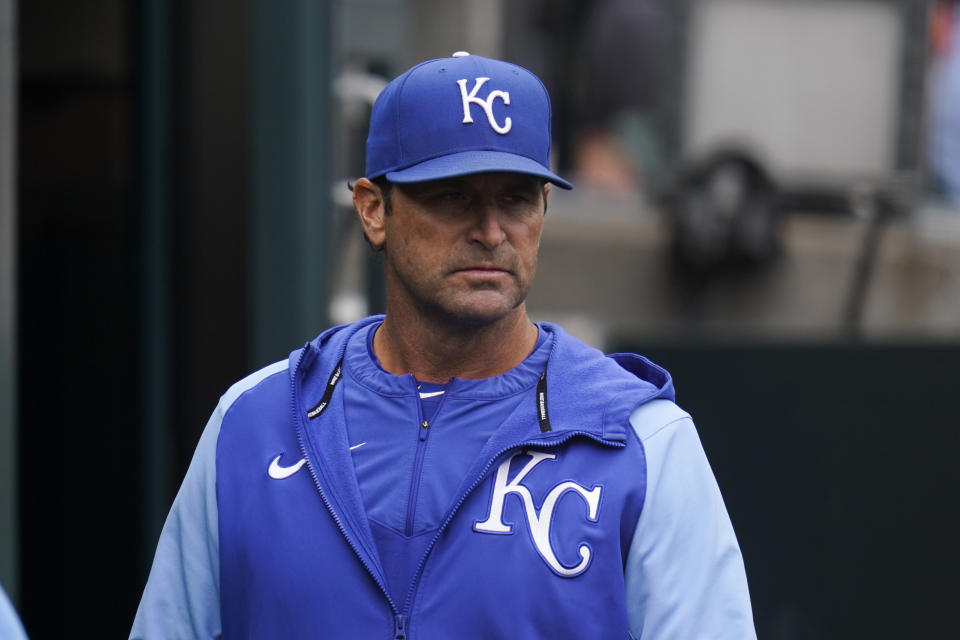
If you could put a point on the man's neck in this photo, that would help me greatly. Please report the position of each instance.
(436, 351)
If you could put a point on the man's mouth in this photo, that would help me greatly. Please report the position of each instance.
(482, 269)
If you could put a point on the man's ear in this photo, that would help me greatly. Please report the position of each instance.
(368, 200)
(546, 196)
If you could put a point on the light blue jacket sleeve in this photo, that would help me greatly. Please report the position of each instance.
(10, 627)
(182, 596)
(685, 575)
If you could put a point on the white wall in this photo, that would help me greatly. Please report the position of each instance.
(812, 84)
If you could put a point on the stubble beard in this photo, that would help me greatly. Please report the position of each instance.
(444, 303)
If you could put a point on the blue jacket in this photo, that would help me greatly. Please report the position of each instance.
(564, 525)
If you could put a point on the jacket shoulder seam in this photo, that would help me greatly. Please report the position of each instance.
(675, 415)
(249, 383)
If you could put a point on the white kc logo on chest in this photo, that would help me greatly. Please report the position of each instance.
(539, 523)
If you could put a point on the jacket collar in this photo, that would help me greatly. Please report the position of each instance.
(359, 364)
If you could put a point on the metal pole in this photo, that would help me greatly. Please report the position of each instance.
(292, 207)
(154, 193)
(9, 520)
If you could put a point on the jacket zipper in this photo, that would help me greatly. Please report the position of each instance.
(424, 432)
(295, 395)
(400, 627)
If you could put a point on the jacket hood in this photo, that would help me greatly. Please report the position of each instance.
(587, 391)
(594, 392)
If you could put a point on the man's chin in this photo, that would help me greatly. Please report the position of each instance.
(482, 309)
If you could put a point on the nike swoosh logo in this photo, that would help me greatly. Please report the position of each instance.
(431, 394)
(279, 473)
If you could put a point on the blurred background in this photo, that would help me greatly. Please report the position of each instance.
(767, 203)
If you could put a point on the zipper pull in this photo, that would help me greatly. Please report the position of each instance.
(400, 628)
(423, 430)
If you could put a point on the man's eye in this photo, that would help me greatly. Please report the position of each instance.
(517, 198)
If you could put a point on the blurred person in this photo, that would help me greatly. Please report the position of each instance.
(945, 118)
(10, 626)
(604, 59)
(450, 469)
(617, 146)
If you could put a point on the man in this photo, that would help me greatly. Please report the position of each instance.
(944, 144)
(450, 469)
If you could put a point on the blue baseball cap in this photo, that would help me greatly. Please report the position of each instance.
(461, 115)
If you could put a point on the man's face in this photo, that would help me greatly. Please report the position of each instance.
(464, 249)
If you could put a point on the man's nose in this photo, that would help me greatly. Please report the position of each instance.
(487, 229)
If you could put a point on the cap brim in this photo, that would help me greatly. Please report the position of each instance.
(470, 162)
